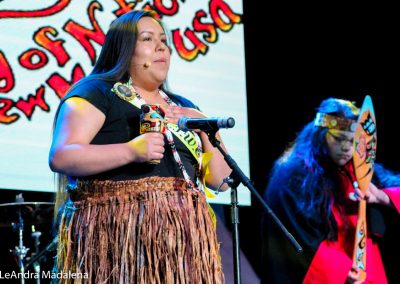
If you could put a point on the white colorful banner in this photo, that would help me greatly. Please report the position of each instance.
(48, 45)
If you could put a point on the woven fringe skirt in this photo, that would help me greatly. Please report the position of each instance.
(152, 230)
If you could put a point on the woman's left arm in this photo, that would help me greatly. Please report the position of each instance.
(218, 167)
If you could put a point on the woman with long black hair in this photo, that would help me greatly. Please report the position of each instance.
(311, 189)
(122, 217)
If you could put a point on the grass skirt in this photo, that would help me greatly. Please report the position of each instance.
(152, 230)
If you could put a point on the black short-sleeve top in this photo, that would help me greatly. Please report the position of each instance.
(122, 125)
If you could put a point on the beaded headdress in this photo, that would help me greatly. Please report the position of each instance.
(335, 122)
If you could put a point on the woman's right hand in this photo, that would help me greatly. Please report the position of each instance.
(148, 146)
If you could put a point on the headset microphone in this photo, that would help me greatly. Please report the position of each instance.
(147, 64)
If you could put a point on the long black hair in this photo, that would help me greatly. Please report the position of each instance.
(118, 48)
(309, 171)
(116, 53)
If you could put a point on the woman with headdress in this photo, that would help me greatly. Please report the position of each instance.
(311, 189)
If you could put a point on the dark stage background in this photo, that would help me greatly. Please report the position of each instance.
(295, 57)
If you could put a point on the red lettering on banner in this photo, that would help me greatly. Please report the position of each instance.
(6, 75)
(159, 6)
(83, 34)
(27, 59)
(29, 105)
(189, 43)
(54, 46)
(55, 8)
(5, 106)
(218, 5)
(60, 85)
(202, 27)
(210, 29)
(148, 7)
(183, 51)
(124, 7)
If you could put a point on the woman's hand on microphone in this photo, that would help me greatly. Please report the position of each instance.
(173, 113)
(147, 147)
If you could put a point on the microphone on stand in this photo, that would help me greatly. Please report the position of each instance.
(205, 124)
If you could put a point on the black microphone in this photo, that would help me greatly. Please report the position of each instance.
(206, 124)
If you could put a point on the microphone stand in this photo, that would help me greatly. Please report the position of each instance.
(235, 178)
(20, 250)
(38, 256)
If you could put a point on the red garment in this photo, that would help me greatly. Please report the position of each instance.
(333, 259)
